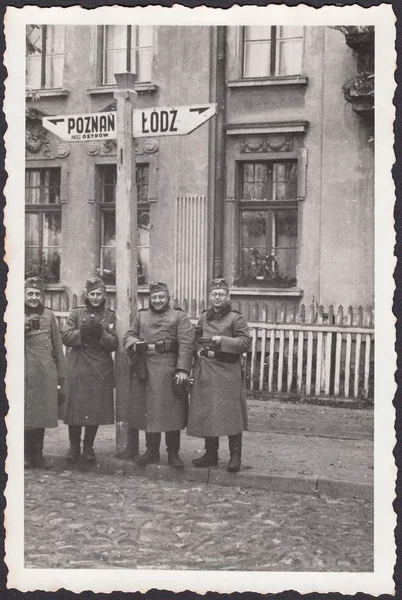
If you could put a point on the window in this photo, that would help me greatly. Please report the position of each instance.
(272, 51)
(127, 48)
(45, 56)
(267, 200)
(42, 224)
(108, 174)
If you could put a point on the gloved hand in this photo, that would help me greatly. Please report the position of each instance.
(27, 324)
(85, 331)
(96, 331)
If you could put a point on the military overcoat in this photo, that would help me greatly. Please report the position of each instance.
(90, 369)
(155, 406)
(44, 366)
(218, 396)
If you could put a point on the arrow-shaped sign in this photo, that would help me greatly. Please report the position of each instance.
(79, 128)
(171, 120)
(150, 122)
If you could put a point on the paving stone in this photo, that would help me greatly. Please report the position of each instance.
(96, 522)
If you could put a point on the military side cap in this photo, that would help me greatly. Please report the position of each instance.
(35, 282)
(219, 284)
(158, 286)
(93, 283)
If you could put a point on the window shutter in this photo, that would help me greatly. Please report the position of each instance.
(301, 173)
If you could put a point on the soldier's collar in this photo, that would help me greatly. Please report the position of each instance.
(211, 314)
(34, 311)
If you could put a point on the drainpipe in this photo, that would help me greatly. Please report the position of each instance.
(220, 151)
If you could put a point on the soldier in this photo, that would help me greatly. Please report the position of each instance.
(218, 397)
(160, 344)
(45, 372)
(90, 333)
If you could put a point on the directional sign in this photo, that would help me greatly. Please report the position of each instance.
(171, 120)
(150, 122)
(79, 128)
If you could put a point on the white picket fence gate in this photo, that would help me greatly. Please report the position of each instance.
(300, 352)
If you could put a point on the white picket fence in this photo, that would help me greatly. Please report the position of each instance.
(314, 352)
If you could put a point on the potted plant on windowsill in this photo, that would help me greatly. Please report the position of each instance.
(263, 271)
(263, 267)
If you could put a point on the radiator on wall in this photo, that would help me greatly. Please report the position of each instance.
(191, 237)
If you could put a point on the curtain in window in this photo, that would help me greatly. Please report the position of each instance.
(289, 50)
(34, 35)
(114, 51)
(52, 242)
(270, 51)
(257, 51)
(141, 52)
(31, 239)
(49, 71)
(117, 58)
(54, 55)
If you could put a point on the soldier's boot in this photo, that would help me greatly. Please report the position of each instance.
(151, 455)
(210, 458)
(88, 453)
(235, 453)
(173, 447)
(38, 461)
(74, 434)
(133, 446)
(29, 450)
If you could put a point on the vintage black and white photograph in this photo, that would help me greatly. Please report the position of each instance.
(200, 242)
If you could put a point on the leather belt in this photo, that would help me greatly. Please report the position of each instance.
(163, 346)
(225, 357)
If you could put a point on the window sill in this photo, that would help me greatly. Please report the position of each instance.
(47, 93)
(141, 289)
(140, 88)
(280, 80)
(54, 287)
(263, 291)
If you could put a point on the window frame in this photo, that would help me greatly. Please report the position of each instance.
(269, 206)
(273, 57)
(44, 56)
(42, 209)
(131, 32)
(110, 208)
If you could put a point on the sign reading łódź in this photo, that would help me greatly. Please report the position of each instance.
(171, 120)
(150, 122)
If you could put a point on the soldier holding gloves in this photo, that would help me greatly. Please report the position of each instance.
(90, 333)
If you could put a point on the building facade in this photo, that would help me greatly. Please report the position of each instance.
(275, 193)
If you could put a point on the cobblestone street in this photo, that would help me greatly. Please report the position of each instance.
(83, 520)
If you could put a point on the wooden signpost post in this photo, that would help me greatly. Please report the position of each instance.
(126, 252)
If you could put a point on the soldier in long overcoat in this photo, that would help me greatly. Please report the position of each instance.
(160, 344)
(218, 396)
(45, 371)
(90, 333)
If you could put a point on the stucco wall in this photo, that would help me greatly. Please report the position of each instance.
(336, 219)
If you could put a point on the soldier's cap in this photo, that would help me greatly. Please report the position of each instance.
(35, 282)
(158, 286)
(219, 284)
(93, 283)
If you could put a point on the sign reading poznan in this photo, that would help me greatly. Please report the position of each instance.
(79, 128)
(171, 120)
(150, 122)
